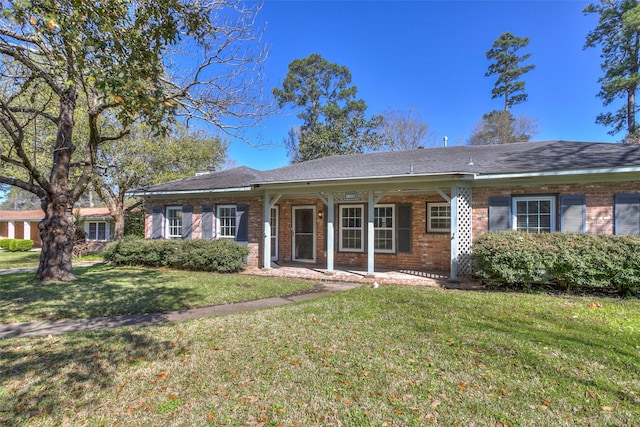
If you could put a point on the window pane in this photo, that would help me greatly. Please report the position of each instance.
(227, 221)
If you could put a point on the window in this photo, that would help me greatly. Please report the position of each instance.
(226, 221)
(351, 228)
(534, 214)
(438, 217)
(384, 230)
(174, 222)
(97, 231)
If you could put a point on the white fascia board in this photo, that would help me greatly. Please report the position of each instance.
(557, 173)
(187, 192)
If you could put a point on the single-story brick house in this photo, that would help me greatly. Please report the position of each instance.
(96, 222)
(417, 209)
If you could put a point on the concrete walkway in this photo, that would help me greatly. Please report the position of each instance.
(36, 329)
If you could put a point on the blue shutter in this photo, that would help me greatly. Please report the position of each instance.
(627, 214)
(156, 222)
(573, 213)
(207, 222)
(242, 223)
(499, 213)
(404, 228)
(187, 221)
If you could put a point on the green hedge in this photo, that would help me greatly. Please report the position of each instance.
(16, 245)
(221, 256)
(563, 260)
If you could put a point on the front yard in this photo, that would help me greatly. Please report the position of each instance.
(394, 356)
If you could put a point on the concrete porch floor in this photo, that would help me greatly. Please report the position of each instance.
(359, 275)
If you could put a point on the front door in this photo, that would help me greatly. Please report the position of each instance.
(304, 233)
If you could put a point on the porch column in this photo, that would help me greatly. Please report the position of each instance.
(26, 234)
(11, 230)
(370, 235)
(330, 233)
(266, 245)
(461, 231)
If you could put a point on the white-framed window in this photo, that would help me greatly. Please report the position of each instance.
(438, 217)
(384, 228)
(534, 214)
(97, 231)
(173, 222)
(226, 221)
(351, 228)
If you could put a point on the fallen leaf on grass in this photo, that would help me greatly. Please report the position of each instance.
(435, 403)
(595, 305)
(545, 402)
(591, 394)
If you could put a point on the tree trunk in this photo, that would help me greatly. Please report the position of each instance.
(57, 228)
(57, 233)
(118, 230)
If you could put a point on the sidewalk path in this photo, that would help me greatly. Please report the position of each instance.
(36, 329)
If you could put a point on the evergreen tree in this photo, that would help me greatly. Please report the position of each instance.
(618, 35)
(333, 119)
(507, 66)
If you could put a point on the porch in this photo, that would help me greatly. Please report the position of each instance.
(359, 275)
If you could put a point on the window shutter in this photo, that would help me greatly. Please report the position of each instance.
(207, 222)
(499, 213)
(156, 222)
(403, 242)
(187, 221)
(627, 214)
(573, 213)
(242, 223)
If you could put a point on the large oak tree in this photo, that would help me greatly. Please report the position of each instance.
(123, 61)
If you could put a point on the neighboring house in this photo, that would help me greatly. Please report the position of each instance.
(410, 210)
(96, 222)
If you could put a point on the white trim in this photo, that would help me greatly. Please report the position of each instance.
(186, 192)
(342, 227)
(275, 223)
(167, 219)
(87, 229)
(543, 174)
(429, 217)
(293, 232)
(393, 228)
(219, 226)
(552, 214)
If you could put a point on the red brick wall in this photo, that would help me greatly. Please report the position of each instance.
(255, 219)
(430, 251)
(599, 200)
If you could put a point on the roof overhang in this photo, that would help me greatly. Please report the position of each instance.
(143, 193)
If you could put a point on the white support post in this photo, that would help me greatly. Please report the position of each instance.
(11, 230)
(27, 230)
(370, 236)
(330, 233)
(266, 246)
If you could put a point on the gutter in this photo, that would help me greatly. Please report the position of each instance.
(542, 174)
(183, 192)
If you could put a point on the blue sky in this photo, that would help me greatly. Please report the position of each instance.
(430, 55)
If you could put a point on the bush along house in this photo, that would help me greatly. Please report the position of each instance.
(409, 210)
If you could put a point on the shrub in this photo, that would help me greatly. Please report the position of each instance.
(562, 260)
(16, 245)
(221, 256)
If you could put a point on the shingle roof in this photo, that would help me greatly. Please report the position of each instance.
(38, 214)
(231, 178)
(480, 159)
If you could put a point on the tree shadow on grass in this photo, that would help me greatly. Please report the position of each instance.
(59, 377)
(98, 291)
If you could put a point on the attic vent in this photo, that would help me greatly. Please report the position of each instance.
(411, 168)
(470, 162)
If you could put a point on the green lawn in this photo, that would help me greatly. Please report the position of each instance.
(102, 290)
(31, 259)
(394, 356)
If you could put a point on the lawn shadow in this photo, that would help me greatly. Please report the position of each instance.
(42, 375)
(98, 291)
